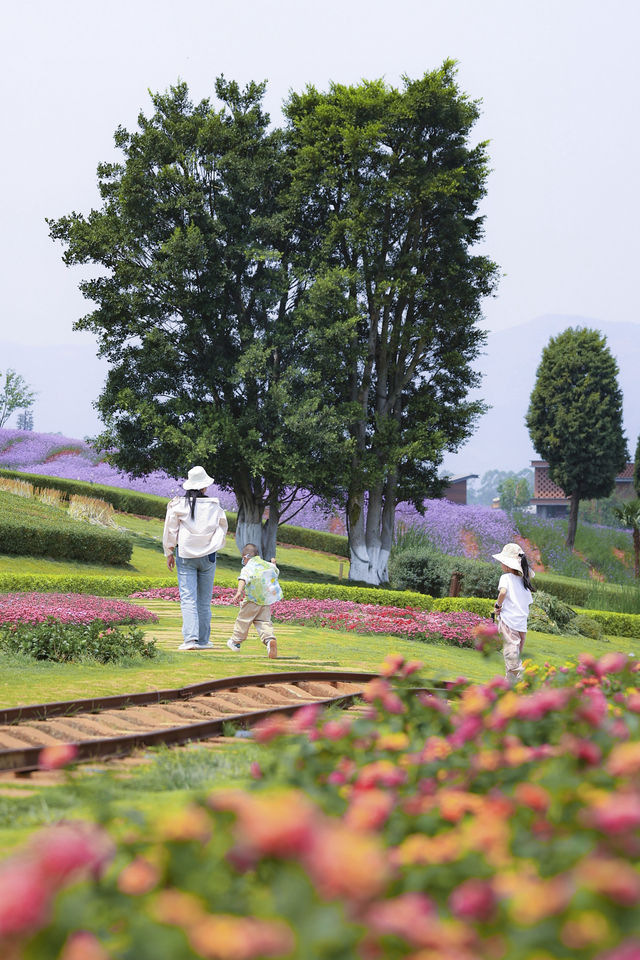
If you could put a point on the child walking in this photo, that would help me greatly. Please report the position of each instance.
(512, 607)
(259, 581)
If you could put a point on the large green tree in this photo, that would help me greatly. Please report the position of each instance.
(385, 193)
(199, 307)
(575, 417)
(636, 470)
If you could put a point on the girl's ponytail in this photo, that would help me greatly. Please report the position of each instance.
(526, 573)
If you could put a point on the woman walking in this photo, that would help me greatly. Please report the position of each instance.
(194, 530)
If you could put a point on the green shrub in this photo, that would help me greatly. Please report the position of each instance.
(421, 569)
(30, 528)
(616, 624)
(588, 627)
(426, 570)
(66, 642)
(479, 605)
(571, 591)
(556, 610)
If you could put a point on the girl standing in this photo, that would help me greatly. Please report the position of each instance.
(194, 530)
(512, 607)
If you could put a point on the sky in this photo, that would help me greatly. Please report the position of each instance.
(560, 91)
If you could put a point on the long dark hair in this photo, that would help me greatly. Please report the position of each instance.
(191, 496)
(526, 573)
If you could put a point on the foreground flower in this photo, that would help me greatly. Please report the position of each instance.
(57, 756)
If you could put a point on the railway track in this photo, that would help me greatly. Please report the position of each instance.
(103, 727)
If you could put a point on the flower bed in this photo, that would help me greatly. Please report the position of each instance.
(493, 825)
(450, 627)
(16, 608)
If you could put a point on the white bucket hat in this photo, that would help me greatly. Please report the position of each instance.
(511, 555)
(197, 479)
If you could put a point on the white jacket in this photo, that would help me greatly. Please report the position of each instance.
(197, 537)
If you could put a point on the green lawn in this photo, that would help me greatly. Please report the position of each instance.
(167, 781)
(23, 681)
(295, 563)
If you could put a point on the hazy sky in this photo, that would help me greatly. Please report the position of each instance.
(558, 80)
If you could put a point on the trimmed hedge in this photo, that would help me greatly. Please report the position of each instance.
(63, 541)
(28, 527)
(150, 505)
(615, 624)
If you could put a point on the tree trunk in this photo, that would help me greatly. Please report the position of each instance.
(249, 523)
(370, 542)
(270, 529)
(636, 552)
(573, 520)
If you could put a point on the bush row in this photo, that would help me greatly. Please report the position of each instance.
(149, 505)
(63, 539)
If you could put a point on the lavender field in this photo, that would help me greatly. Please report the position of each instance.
(472, 531)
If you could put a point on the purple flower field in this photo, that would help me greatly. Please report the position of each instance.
(473, 531)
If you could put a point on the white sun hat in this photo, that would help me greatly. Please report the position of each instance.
(511, 555)
(197, 479)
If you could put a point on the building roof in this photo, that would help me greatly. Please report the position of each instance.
(546, 491)
(462, 478)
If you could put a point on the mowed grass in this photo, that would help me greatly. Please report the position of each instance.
(147, 560)
(300, 647)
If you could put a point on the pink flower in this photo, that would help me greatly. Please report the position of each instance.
(24, 897)
(57, 755)
(611, 663)
(473, 900)
(83, 946)
(70, 848)
(618, 814)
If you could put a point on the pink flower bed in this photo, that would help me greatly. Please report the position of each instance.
(222, 596)
(69, 608)
(455, 627)
(369, 618)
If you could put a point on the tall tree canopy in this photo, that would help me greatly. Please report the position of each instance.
(197, 307)
(385, 193)
(15, 394)
(575, 417)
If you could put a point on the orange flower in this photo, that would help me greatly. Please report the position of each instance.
(189, 823)
(393, 741)
(473, 701)
(435, 748)
(624, 759)
(369, 809)
(589, 928)
(177, 908)
(533, 796)
(138, 877)
(611, 877)
(343, 862)
(227, 937)
(83, 946)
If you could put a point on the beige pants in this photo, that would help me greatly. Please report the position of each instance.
(252, 613)
(512, 644)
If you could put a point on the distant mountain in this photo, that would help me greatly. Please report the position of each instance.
(509, 369)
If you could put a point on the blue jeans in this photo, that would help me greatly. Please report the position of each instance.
(195, 583)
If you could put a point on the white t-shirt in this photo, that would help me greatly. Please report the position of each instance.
(515, 606)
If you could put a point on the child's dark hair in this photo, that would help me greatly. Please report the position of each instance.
(526, 573)
(250, 550)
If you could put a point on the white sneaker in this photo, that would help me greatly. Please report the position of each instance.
(233, 645)
(204, 646)
(188, 645)
(272, 649)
